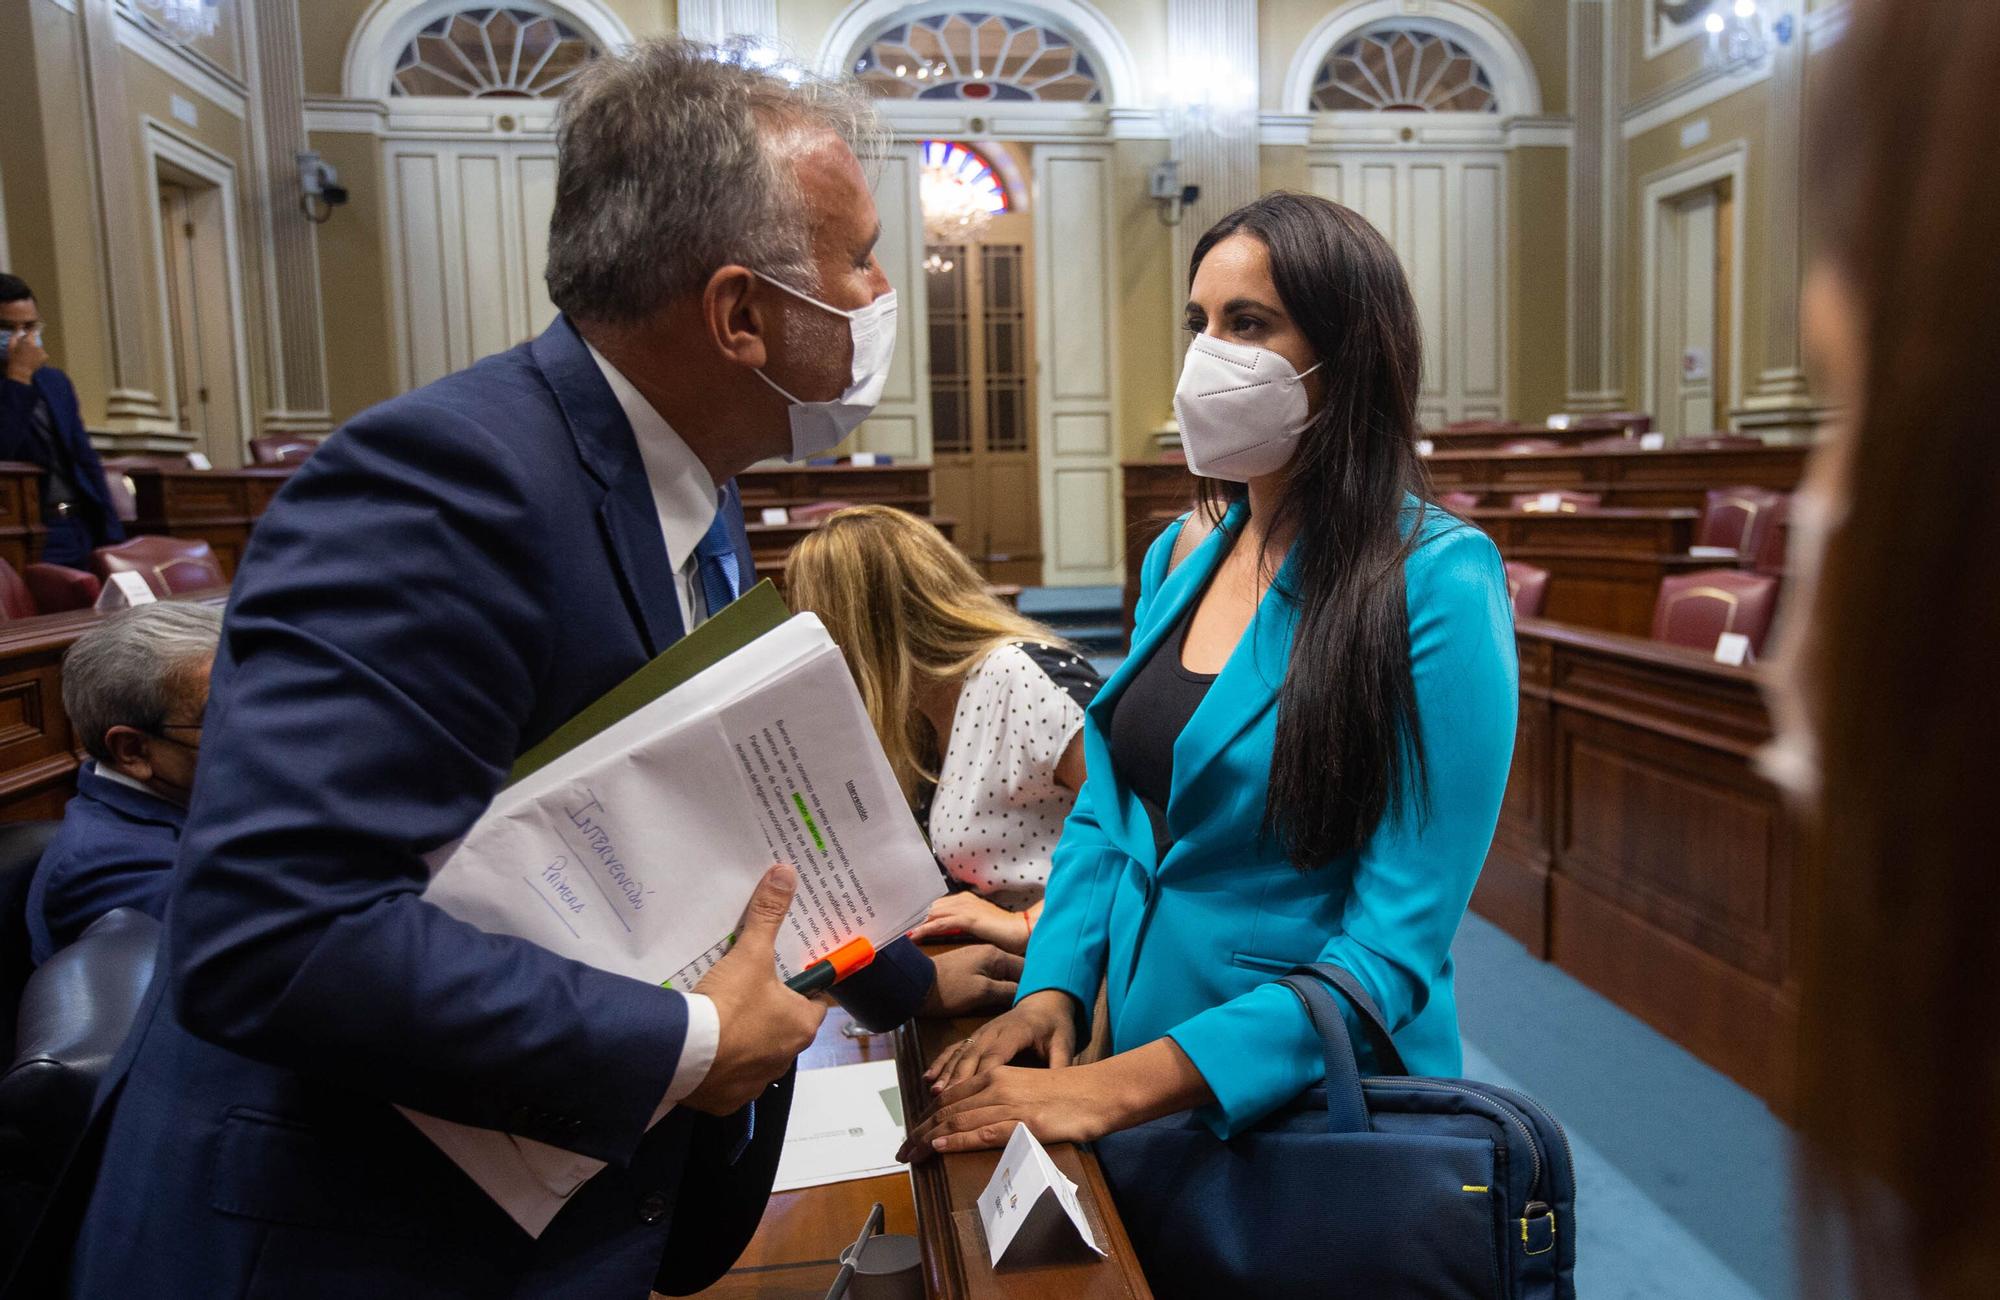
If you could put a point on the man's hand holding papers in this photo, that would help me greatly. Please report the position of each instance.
(764, 1024)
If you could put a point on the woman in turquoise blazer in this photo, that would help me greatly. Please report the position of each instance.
(1186, 914)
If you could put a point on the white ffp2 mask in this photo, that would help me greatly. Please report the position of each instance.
(819, 426)
(1241, 409)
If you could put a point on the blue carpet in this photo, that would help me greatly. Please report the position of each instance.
(1683, 1177)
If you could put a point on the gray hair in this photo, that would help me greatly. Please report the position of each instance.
(671, 163)
(133, 668)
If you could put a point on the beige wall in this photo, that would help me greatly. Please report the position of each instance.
(1143, 302)
(1538, 282)
(354, 280)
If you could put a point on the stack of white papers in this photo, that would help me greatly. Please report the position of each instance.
(637, 850)
(846, 1123)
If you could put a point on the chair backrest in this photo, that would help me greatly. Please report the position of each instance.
(168, 564)
(1718, 442)
(1459, 502)
(1635, 422)
(124, 493)
(1522, 446)
(1771, 553)
(1528, 588)
(1736, 518)
(16, 601)
(21, 845)
(1695, 609)
(816, 510)
(74, 1015)
(282, 449)
(1566, 503)
(57, 588)
(1611, 442)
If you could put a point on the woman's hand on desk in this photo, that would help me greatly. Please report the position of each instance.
(1079, 1104)
(970, 915)
(1043, 1023)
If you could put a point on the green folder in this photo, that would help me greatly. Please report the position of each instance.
(750, 616)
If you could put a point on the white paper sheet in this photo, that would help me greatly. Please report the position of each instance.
(637, 851)
(1027, 1201)
(847, 1123)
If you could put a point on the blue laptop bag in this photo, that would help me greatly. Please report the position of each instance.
(1385, 1188)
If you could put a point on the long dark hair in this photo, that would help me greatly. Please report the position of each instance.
(1348, 749)
(1899, 1073)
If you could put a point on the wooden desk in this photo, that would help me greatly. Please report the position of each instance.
(21, 530)
(1639, 849)
(217, 506)
(1488, 436)
(907, 486)
(1605, 566)
(1157, 492)
(38, 750)
(1624, 478)
(796, 1249)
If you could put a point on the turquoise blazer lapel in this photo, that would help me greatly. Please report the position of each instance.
(1242, 695)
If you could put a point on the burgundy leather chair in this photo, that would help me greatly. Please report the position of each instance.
(1459, 502)
(282, 449)
(1522, 446)
(1528, 588)
(168, 564)
(1717, 442)
(814, 511)
(1770, 555)
(1635, 422)
(45, 589)
(1736, 519)
(1610, 442)
(1566, 503)
(1695, 609)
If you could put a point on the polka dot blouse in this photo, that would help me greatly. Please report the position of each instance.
(998, 811)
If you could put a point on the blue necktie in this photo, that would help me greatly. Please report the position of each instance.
(716, 566)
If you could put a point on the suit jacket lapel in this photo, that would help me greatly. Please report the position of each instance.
(605, 444)
(1122, 816)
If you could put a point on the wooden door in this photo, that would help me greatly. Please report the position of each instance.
(201, 325)
(982, 411)
(1691, 371)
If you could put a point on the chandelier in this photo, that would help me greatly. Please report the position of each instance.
(959, 193)
(1739, 37)
(184, 20)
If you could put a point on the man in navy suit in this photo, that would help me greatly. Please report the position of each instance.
(450, 577)
(134, 688)
(41, 422)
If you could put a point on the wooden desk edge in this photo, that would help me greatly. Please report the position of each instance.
(945, 1269)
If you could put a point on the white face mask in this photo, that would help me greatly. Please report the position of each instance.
(819, 426)
(1241, 409)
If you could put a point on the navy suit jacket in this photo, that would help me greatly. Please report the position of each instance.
(18, 442)
(449, 578)
(116, 848)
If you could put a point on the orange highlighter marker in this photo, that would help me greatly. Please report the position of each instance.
(832, 968)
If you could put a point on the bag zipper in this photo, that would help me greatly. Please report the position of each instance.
(1527, 1134)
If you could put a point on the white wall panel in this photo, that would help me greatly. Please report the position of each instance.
(420, 278)
(901, 425)
(1074, 327)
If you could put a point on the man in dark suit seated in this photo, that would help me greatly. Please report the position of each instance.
(452, 576)
(134, 689)
(41, 423)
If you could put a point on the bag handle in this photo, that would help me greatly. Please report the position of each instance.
(1346, 1107)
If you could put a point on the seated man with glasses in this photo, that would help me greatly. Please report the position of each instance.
(134, 688)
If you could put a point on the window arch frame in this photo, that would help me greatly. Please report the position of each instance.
(966, 12)
(1077, 21)
(390, 25)
(1498, 50)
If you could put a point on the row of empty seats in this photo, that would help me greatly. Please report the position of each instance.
(170, 565)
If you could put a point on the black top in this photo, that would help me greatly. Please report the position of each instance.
(1150, 716)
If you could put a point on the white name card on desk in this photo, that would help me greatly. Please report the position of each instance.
(1652, 442)
(1732, 648)
(777, 515)
(865, 458)
(123, 591)
(1029, 1210)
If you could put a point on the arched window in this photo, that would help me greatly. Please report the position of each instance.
(492, 53)
(1403, 70)
(965, 174)
(975, 56)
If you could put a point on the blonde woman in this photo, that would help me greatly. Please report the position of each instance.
(979, 709)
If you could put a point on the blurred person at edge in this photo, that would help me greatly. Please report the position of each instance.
(1883, 688)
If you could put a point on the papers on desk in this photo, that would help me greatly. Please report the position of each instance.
(847, 1122)
(636, 850)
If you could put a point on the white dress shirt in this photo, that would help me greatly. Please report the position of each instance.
(685, 496)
